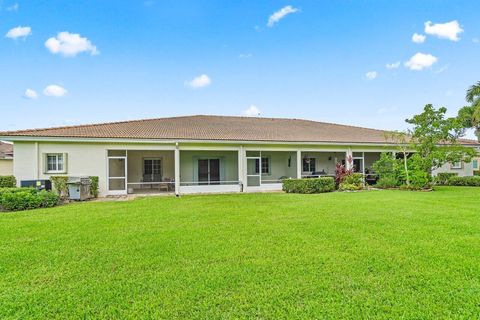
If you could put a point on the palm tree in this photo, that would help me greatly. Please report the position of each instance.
(473, 97)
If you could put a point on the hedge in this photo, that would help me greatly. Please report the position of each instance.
(314, 185)
(442, 178)
(16, 199)
(8, 182)
(473, 181)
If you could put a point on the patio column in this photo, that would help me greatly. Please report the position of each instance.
(177, 171)
(241, 173)
(348, 154)
(299, 164)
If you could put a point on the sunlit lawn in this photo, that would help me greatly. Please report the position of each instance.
(376, 254)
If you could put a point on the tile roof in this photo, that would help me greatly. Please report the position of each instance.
(6, 150)
(225, 128)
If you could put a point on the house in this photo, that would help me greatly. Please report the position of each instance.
(197, 154)
(6, 159)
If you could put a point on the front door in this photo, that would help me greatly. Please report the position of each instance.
(209, 171)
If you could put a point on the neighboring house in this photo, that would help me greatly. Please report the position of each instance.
(6, 159)
(197, 153)
(476, 164)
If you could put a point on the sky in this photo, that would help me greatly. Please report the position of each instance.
(364, 63)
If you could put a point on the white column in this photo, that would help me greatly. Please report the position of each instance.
(241, 174)
(177, 170)
(348, 154)
(299, 164)
(37, 162)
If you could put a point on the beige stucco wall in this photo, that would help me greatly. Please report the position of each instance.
(89, 158)
(83, 159)
(466, 170)
(6, 167)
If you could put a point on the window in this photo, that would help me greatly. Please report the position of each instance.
(55, 162)
(309, 165)
(266, 165)
(475, 164)
(456, 165)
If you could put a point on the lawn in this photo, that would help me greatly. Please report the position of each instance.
(377, 254)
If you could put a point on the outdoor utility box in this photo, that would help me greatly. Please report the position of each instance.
(37, 184)
(79, 188)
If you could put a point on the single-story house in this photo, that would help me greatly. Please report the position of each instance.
(6, 159)
(197, 154)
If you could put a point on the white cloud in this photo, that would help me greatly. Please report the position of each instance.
(252, 111)
(54, 90)
(70, 44)
(393, 65)
(418, 38)
(199, 82)
(449, 30)
(371, 75)
(420, 61)
(13, 7)
(19, 32)
(30, 94)
(280, 14)
(245, 55)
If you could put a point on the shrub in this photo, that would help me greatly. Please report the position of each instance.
(341, 171)
(16, 199)
(476, 173)
(387, 182)
(388, 170)
(473, 181)
(94, 187)
(442, 178)
(315, 185)
(8, 182)
(352, 182)
(419, 178)
(60, 185)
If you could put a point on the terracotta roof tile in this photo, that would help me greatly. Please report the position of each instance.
(202, 127)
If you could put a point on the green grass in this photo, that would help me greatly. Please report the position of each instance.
(378, 254)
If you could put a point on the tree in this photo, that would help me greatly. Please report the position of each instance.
(435, 139)
(402, 143)
(470, 115)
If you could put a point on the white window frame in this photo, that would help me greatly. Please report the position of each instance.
(269, 166)
(456, 165)
(57, 162)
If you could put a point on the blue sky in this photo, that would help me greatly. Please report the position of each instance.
(319, 60)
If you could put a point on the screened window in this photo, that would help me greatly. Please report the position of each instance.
(55, 162)
(266, 165)
(309, 165)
